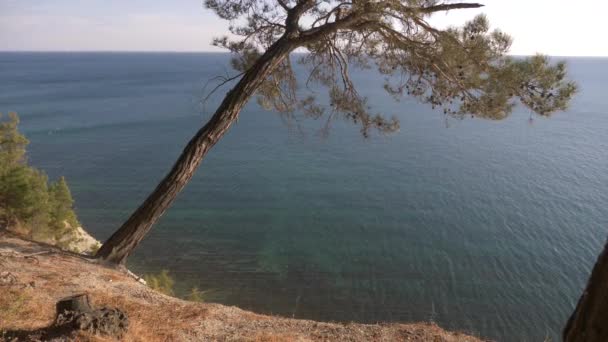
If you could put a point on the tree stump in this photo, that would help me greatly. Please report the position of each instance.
(76, 314)
(77, 303)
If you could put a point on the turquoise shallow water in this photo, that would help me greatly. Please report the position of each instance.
(487, 227)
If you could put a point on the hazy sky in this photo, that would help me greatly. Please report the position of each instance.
(554, 27)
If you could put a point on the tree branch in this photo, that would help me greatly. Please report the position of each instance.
(321, 31)
(294, 14)
(283, 4)
(447, 7)
(224, 80)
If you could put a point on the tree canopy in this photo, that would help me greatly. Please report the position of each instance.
(461, 70)
(28, 202)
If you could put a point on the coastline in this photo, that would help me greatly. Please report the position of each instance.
(36, 276)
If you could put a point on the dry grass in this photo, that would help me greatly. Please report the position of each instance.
(269, 337)
(14, 304)
(153, 322)
(41, 280)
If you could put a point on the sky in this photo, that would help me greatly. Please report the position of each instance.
(553, 27)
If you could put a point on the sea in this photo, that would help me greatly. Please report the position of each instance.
(486, 227)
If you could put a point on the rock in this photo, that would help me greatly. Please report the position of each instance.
(79, 240)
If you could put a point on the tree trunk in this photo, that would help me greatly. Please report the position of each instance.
(589, 321)
(120, 245)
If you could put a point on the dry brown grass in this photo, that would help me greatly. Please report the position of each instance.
(269, 337)
(153, 322)
(24, 309)
(14, 304)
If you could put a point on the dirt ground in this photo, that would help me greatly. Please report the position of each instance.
(33, 277)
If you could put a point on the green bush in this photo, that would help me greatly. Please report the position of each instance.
(164, 283)
(27, 201)
(196, 295)
(23, 193)
(160, 282)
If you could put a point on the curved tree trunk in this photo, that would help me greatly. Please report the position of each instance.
(589, 322)
(118, 247)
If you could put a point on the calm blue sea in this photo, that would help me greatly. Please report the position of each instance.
(487, 227)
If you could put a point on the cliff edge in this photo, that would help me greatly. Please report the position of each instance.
(35, 276)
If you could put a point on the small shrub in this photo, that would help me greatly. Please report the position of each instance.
(161, 282)
(196, 295)
(164, 283)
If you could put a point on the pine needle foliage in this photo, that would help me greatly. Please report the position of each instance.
(28, 202)
(459, 70)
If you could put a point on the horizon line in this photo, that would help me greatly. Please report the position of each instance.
(225, 52)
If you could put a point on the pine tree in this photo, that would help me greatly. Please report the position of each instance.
(23, 195)
(12, 144)
(461, 71)
(61, 211)
(27, 202)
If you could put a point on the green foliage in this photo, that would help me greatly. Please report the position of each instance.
(460, 70)
(60, 201)
(161, 282)
(196, 295)
(27, 200)
(164, 283)
(23, 194)
(12, 144)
